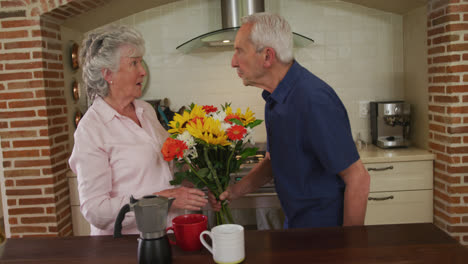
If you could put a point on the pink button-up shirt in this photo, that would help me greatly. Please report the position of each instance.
(114, 158)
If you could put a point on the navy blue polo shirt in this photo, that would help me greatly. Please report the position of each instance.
(310, 142)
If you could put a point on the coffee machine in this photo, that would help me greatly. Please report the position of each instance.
(151, 216)
(390, 123)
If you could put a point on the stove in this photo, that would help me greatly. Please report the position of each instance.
(249, 163)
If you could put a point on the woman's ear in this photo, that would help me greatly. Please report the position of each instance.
(270, 57)
(107, 75)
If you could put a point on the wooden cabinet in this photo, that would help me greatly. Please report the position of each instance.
(400, 192)
(401, 189)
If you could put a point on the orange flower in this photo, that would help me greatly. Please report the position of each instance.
(231, 116)
(236, 132)
(209, 108)
(173, 148)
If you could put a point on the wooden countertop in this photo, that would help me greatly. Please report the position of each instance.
(409, 243)
(374, 154)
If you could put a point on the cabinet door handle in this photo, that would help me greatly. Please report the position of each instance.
(380, 198)
(380, 169)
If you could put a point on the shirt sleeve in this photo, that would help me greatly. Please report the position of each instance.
(90, 163)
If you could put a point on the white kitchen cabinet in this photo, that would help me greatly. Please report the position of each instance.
(81, 227)
(400, 192)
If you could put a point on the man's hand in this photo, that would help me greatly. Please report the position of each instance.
(216, 204)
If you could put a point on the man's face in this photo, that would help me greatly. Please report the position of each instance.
(246, 60)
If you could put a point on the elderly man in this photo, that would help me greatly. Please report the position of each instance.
(319, 177)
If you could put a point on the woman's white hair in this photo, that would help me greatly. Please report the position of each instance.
(101, 49)
(271, 30)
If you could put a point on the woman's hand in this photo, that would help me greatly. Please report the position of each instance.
(186, 198)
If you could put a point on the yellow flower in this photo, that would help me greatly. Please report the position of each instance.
(209, 131)
(179, 124)
(246, 118)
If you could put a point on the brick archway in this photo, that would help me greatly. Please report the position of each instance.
(33, 115)
(447, 60)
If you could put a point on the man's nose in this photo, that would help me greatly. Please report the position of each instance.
(234, 63)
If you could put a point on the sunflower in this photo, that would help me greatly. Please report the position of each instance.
(209, 131)
(180, 122)
(246, 118)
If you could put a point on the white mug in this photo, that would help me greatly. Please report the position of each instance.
(227, 241)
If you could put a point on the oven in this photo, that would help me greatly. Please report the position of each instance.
(260, 210)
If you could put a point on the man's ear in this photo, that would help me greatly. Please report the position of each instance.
(107, 75)
(270, 57)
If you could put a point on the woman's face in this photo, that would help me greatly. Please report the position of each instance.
(127, 81)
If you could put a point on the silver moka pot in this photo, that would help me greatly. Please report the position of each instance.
(150, 214)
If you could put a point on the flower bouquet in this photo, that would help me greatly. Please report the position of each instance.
(213, 144)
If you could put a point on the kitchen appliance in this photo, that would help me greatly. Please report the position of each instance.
(150, 214)
(261, 209)
(249, 163)
(231, 13)
(390, 123)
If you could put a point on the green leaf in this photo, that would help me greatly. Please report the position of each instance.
(204, 172)
(177, 124)
(225, 106)
(255, 123)
(248, 152)
(199, 184)
(236, 121)
(178, 177)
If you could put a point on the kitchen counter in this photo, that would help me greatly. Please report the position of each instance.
(374, 154)
(410, 243)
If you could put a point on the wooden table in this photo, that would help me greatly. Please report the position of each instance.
(409, 243)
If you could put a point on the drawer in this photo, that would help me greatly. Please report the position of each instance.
(403, 207)
(398, 176)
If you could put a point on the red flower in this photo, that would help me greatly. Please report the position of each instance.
(231, 116)
(173, 148)
(194, 120)
(209, 109)
(236, 132)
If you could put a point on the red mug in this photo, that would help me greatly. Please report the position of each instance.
(187, 229)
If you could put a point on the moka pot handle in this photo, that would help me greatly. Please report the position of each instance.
(118, 221)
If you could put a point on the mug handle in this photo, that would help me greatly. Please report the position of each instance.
(170, 241)
(204, 242)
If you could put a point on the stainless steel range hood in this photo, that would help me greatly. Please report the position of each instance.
(231, 12)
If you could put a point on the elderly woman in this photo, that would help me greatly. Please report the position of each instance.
(117, 151)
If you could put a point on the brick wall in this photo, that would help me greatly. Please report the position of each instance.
(33, 115)
(448, 113)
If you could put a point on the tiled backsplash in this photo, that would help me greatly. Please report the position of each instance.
(357, 50)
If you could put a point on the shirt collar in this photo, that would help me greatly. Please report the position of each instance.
(285, 86)
(108, 113)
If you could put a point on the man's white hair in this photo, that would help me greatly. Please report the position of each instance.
(271, 30)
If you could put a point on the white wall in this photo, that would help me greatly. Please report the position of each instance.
(415, 54)
(357, 50)
(70, 36)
